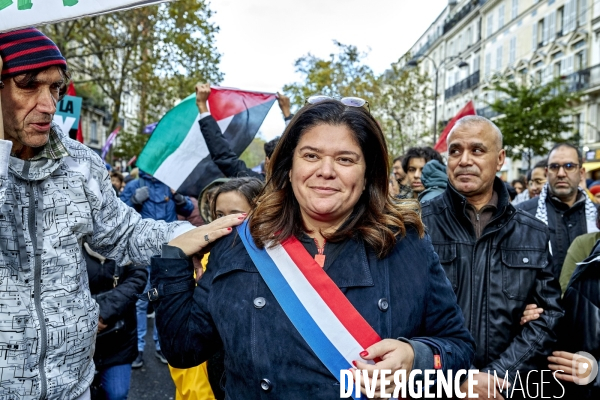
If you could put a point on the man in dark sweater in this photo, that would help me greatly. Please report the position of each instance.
(562, 204)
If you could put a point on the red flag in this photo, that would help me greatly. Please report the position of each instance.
(71, 92)
(468, 109)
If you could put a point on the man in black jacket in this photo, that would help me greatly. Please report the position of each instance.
(220, 151)
(562, 205)
(497, 260)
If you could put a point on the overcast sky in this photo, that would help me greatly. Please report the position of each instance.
(260, 39)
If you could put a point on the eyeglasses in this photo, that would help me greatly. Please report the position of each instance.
(569, 167)
(537, 182)
(347, 101)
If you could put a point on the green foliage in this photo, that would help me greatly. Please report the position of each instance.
(342, 75)
(158, 52)
(402, 97)
(254, 153)
(533, 116)
(394, 98)
(129, 145)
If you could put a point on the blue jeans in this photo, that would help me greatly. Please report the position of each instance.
(141, 308)
(115, 381)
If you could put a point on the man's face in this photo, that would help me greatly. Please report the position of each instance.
(562, 183)
(537, 182)
(473, 159)
(28, 109)
(399, 173)
(415, 168)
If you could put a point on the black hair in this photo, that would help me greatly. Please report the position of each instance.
(571, 146)
(426, 153)
(399, 158)
(540, 164)
(270, 146)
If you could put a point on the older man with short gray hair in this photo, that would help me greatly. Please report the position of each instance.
(496, 258)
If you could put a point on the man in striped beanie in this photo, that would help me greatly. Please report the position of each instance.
(56, 195)
(34, 76)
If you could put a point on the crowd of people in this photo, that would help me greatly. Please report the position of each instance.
(268, 284)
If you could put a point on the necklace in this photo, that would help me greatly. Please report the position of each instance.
(320, 256)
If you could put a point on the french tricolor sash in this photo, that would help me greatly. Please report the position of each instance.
(317, 308)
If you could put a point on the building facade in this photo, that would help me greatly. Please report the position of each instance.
(473, 41)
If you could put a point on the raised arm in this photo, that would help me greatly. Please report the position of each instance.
(220, 152)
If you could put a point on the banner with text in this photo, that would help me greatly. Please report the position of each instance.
(67, 113)
(16, 14)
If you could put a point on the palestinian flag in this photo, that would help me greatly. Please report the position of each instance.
(176, 153)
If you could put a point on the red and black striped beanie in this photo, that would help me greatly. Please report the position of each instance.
(26, 50)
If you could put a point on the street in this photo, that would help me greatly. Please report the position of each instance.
(152, 381)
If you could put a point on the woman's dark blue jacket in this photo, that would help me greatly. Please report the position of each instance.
(405, 295)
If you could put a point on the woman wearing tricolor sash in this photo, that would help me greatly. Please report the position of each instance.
(327, 274)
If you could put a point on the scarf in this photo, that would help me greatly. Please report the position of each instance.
(590, 210)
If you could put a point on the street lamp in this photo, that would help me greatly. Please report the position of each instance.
(413, 63)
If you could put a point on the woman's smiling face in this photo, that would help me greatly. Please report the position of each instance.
(328, 173)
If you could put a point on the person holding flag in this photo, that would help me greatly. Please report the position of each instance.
(328, 273)
(221, 153)
(56, 194)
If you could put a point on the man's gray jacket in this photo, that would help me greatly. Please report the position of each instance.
(49, 206)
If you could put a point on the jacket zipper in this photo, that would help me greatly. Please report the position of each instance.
(37, 277)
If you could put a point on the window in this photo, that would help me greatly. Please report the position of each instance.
(557, 69)
(512, 52)
(451, 49)
(545, 30)
(459, 44)
(560, 21)
(580, 60)
(570, 16)
(490, 25)
(534, 41)
(488, 64)
(552, 26)
(514, 12)
(499, 58)
(538, 76)
(540, 33)
(582, 12)
(93, 132)
(476, 62)
(501, 16)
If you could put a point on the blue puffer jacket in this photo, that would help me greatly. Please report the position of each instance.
(405, 294)
(160, 206)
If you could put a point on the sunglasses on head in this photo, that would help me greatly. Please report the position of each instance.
(347, 101)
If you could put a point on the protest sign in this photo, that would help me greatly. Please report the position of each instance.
(16, 14)
(68, 111)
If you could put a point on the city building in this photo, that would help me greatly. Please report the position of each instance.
(473, 41)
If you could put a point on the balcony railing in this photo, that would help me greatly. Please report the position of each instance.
(583, 79)
(466, 84)
(460, 14)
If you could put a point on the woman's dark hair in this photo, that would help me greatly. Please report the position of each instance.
(249, 188)
(376, 217)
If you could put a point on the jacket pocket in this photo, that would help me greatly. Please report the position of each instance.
(519, 271)
(234, 267)
(447, 255)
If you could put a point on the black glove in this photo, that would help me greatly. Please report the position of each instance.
(179, 199)
(141, 195)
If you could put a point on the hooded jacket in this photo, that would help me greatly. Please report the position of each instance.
(49, 206)
(434, 179)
